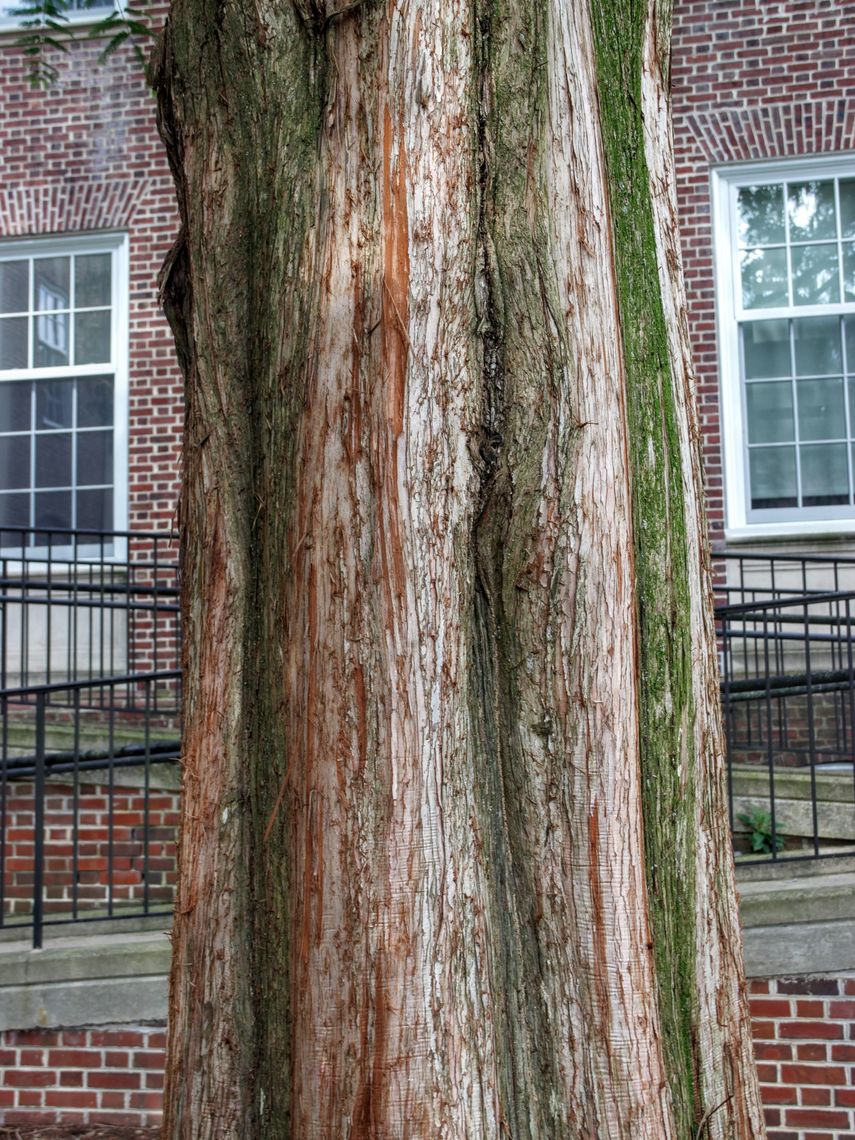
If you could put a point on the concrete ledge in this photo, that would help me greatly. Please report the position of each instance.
(800, 948)
(824, 898)
(789, 868)
(108, 979)
(821, 940)
(83, 981)
(752, 781)
(63, 934)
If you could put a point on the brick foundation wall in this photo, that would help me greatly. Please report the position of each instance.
(108, 1075)
(804, 1041)
(126, 856)
(804, 1034)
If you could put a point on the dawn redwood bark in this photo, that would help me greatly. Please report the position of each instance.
(455, 859)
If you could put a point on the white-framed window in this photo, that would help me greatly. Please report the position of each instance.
(785, 290)
(63, 387)
(77, 11)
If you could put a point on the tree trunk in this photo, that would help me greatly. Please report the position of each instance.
(455, 858)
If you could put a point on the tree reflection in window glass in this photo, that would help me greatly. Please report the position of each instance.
(761, 215)
(811, 211)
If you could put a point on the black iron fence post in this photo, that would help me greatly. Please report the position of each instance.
(39, 823)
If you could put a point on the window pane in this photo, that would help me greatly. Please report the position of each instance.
(91, 280)
(14, 283)
(849, 271)
(51, 340)
(761, 215)
(773, 477)
(815, 280)
(764, 278)
(51, 283)
(770, 413)
(816, 341)
(53, 460)
(822, 413)
(53, 508)
(847, 207)
(95, 510)
(94, 457)
(95, 402)
(14, 462)
(766, 346)
(13, 342)
(825, 477)
(811, 210)
(14, 511)
(15, 406)
(92, 338)
(849, 336)
(54, 405)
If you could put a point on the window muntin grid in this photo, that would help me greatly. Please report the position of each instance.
(63, 428)
(796, 243)
(792, 238)
(799, 380)
(55, 311)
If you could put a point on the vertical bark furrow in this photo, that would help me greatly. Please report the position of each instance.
(218, 63)
(390, 975)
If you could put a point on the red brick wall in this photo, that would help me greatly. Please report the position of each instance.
(804, 1040)
(752, 79)
(804, 1032)
(131, 859)
(85, 155)
(108, 1075)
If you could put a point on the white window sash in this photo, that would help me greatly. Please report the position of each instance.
(725, 185)
(117, 245)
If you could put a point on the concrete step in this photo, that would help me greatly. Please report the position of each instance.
(834, 786)
(801, 923)
(85, 981)
(794, 791)
(789, 868)
(821, 898)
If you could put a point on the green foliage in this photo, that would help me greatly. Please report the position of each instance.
(759, 825)
(45, 30)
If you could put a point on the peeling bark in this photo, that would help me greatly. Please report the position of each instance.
(422, 894)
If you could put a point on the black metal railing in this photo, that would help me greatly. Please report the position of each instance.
(77, 605)
(90, 699)
(785, 628)
(90, 708)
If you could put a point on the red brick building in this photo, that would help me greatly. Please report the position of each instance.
(90, 395)
(764, 131)
(91, 412)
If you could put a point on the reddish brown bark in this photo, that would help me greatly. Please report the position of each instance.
(416, 895)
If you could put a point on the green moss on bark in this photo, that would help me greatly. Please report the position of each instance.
(668, 763)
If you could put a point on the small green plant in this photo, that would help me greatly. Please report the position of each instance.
(759, 825)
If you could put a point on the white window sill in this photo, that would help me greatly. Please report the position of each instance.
(13, 26)
(802, 532)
